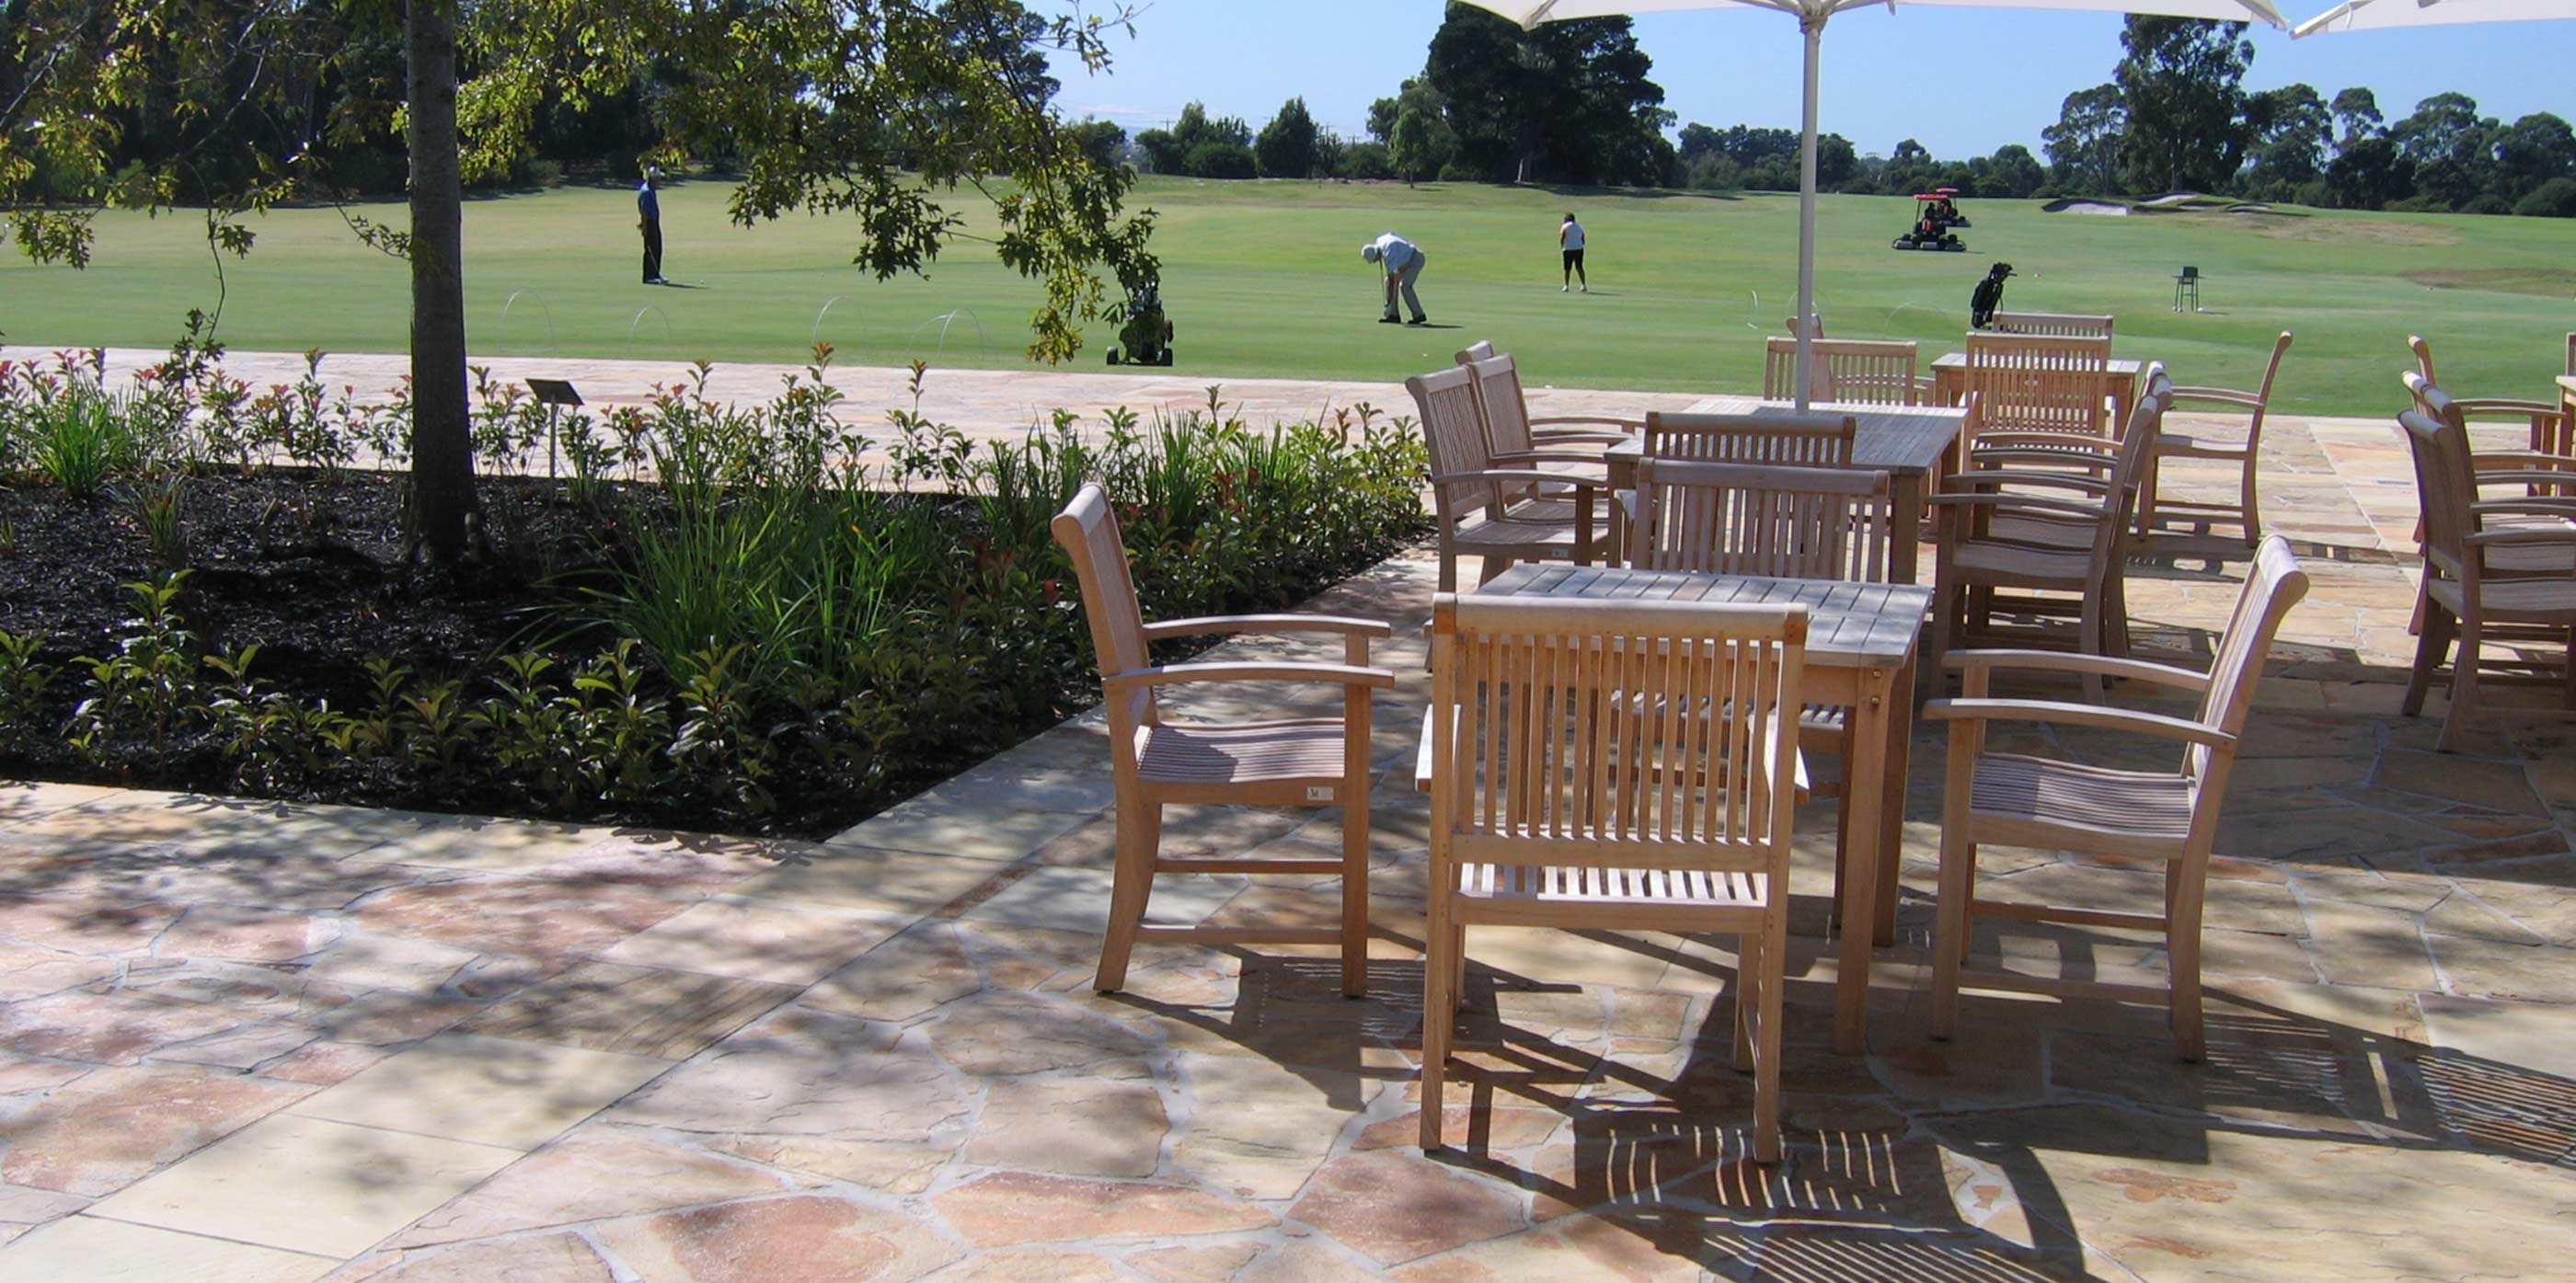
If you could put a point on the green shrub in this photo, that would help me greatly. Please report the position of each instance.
(1366, 161)
(2553, 199)
(1221, 160)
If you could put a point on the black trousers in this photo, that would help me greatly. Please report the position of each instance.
(1574, 265)
(652, 250)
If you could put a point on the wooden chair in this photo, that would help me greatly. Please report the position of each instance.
(1474, 352)
(1500, 514)
(1793, 440)
(1297, 762)
(2247, 510)
(2039, 383)
(1850, 370)
(1566, 793)
(2060, 324)
(1791, 325)
(2172, 815)
(2464, 592)
(2545, 422)
(1516, 439)
(1757, 519)
(1996, 536)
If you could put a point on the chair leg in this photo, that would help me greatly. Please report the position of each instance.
(2146, 522)
(1439, 1017)
(2464, 685)
(1766, 1054)
(2432, 640)
(1355, 880)
(1945, 624)
(1748, 983)
(2182, 957)
(2092, 637)
(1140, 834)
(2247, 496)
(1958, 883)
(1490, 566)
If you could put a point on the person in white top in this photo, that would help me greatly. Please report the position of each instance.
(1403, 262)
(1569, 238)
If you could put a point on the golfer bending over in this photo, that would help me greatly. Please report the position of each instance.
(1403, 261)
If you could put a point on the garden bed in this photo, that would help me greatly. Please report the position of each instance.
(718, 620)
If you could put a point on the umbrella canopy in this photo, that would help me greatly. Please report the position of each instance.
(1811, 16)
(2372, 15)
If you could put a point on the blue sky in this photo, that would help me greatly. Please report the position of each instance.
(1962, 81)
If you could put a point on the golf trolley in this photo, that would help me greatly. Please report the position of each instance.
(1934, 216)
(1147, 335)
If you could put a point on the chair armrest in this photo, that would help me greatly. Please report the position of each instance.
(2532, 506)
(1626, 425)
(1609, 435)
(1177, 674)
(2522, 536)
(2054, 507)
(1269, 624)
(2058, 661)
(1518, 474)
(1523, 458)
(2504, 405)
(2109, 719)
(2222, 396)
(1978, 480)
(1422, 758)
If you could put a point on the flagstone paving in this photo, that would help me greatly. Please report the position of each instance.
(246, 1042)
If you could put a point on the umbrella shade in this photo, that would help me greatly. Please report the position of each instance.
(2372, 15)
(1811, 16)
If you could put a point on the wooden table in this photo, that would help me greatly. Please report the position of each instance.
(1950, 383)
(1904, 441)
(1860, 654)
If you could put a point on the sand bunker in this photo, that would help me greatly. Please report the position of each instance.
(2084, 207)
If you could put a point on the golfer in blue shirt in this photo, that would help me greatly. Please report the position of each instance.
(649, 205)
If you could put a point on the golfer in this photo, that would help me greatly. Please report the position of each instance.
(1569, 238)
(1403, 262)
(649, 206)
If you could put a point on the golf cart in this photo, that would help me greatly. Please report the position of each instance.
(1931, 230)
(1147, 335)
(1949, 207)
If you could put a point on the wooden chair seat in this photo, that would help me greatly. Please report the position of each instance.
(2077, 806)
(1268, 752)
(2019, 565)
(1529, 539)
(1694, 899)
(1550, 508)
(2177, 445)
(2514, 601)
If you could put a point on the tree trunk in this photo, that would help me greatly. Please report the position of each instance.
(442, 459)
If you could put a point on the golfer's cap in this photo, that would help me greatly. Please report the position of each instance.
(652, 171)
(1368, 252)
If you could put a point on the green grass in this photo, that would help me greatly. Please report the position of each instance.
(1266, 279)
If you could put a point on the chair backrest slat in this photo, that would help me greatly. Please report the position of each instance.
(1474, 352)
(1853, 370)
(2061, 324)
(1585, 734)
(2275, 583)
(1088, 532)
(1760, 519)
(2046, 383)
(1454, 430)
(1502, 403)
(1796, 440)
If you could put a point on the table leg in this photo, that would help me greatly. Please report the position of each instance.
(2124, 392)
(1905, 520)
(1856, 916)
(1949, 386)
(1621, 473)
(1891, 842)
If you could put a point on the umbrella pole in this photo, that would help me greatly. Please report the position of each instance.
(1812, 25)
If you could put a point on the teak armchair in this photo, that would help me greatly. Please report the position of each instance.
(2546, 422)
(1570, 788)
(1298, 762)
(1995, 536)
(1849, 370)
(2172, 815)
(2038, 383)
(1500, 514)
(2491, 563)
(1755, 519)
(2247, 511)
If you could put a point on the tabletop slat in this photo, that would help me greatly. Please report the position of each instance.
(1849, 625)
(1906, 440)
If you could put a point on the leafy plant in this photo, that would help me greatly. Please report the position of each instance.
(148, 684)
(24, 680)
(158, 504)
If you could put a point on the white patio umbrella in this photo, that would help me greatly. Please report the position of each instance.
(1811, 16)
(2374, 15)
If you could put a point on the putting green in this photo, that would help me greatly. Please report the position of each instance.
(1266, 279)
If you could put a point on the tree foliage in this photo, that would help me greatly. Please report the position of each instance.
(1566, 102)
(2182, 84)
(1287, 145)
(2086, 143)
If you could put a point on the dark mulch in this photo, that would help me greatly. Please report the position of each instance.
(311, 569)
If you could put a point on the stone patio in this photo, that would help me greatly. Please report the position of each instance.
(253, 1043)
